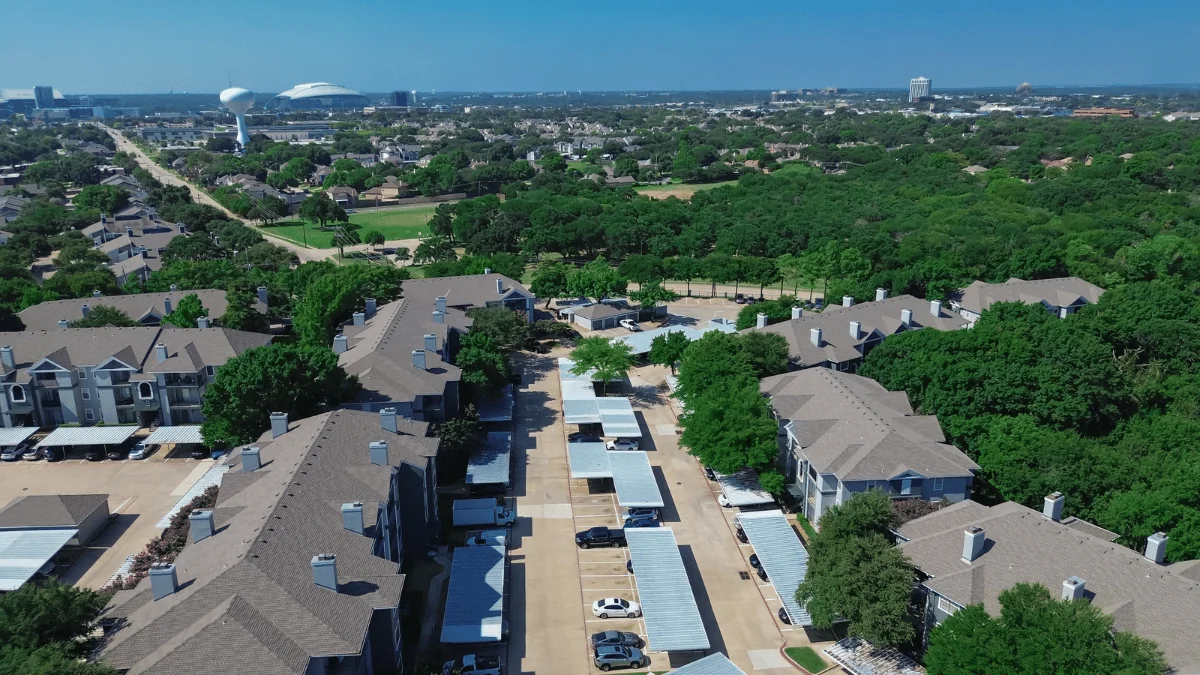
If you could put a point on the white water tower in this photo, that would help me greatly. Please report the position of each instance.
(238, 101)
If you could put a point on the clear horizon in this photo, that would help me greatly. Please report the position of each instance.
(473, 46)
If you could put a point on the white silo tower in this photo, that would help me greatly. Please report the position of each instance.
(238, 101)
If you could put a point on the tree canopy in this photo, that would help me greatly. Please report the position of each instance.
(610, 359)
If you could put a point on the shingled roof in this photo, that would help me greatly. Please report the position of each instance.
(1060, 292)
(247, 593)
(853, 427)
(145, 308)
(1022, 545)
(49, 510)
(472, 290)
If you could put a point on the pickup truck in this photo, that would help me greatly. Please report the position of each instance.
(473, 664)
(488, 538)
(600, 536)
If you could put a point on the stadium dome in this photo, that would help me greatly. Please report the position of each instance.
(318, 96)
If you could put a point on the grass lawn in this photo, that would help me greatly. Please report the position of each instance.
(394, 224)
(808, 659)
(697, 187)
(806, 526)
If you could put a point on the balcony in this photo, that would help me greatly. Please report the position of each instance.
(183, 381)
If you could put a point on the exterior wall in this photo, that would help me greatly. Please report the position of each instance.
(414, 511)
(91, 525)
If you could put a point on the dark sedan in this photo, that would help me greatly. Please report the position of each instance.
(616, 638)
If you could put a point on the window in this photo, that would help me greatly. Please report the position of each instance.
(18, 394)
(145, 391)
(906, 486)
(83, 374)
(87, 395)
(937, 484)
(211, 370)
(946, 606)
(88, 414)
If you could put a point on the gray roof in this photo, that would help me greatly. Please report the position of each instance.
(860, 657)
(604, 310)
(472, 290)
(617, 417)
(634, 479)
(91, 435)
(854, 428)
(1061, 292)
(23, 552)
(877, 320)
(191, 349)
(640, 342)
(491, 464)
(251, 583)
(783, 557)
(475, 596)
(145, 308)
(498, 409)
(188, 433)
(669, 608)
(589, 460)
(15, 435)
(1024, 546)
(713, 664)
(742, 488)
(49, 510)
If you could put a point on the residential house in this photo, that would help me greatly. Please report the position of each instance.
(842, 335)
(473, 290)
(367, 159)
(10, 207)
(113, 375)
(344, 195)
(127, 183)
(297, 569)
(148, 309)
(392, 189)
(400, 154)
(320, 174)
(969, 553)
(1060, 297)
(600, 315)
(842, 434)
(5, 235)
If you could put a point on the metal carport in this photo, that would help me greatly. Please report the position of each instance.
(23, 552)
(673, 622)
(498, 409)
(108, 435)
(634, 479)
(492, 463)
(475, 596)
(617, 418)
(578, 394)
(782, 556)
(713, 664)
(589, 460)
(10, 436)
(742, 488)
(189, 434)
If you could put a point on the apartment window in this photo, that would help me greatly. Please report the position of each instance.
(946, 606)
(88, 414)
(906, 486)
(210, 370)
(83, 374)
(18, 394)
(145, 391)
(87, 395)
(937, 484)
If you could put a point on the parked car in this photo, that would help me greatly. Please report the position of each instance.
(13, 452)
(741, 535)
(740, 299)
(33, 455)
(473, 664)
(724, 501)
(783, 616)
(616, 607)
(54, 454)
(142, 451)
(600, 536)
(116, 454)
(754, 561)
(630, 325)
(642, 512)
(709, 473)
(642, 521)
(200, 452)
(93, 455)
(609, 638)
(629, 566)
(581, 437)
(624, 444)
(762, 574)
(610, 657)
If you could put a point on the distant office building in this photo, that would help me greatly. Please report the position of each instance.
(1103, 112)
(25, 101)
(412, 97)
(399, 99)
(317, 96)
(43, 97)
(918, 89)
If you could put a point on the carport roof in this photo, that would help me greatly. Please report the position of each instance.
(579, 396)
(634, 479)
(782, 556)
(713, 664)
(673, 622)
(742, 488)
(23, 552)
(616, 414)
(491, 464)
(475, 597)
(170, 435)
(589, 460)
(114, 435)
(15, 435)
(499, 409)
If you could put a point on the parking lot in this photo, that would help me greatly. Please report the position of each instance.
(140, 492)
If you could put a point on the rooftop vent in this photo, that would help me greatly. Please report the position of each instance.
(201, 522)
(160, 352)
(352, 517)
(1052, 506)
(387, 419)
(439, 303)
(7, 357)
(202, 322)
(379, 453)
(418, 359)
(251, 460)
(855, 330)
(163, 581)
(797, 313)
(370, 307)
(973, 539)
(760, 321)
(1156, 547)
(847, 300)
(906, 317)
(814, 336)
(880, 294)
(324, 567)
(340, 343)
(1073, 588)
(935, 307)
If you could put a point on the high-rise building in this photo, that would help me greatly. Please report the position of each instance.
(43, 97)
(399, 99)
(412, 97)
(919, 89)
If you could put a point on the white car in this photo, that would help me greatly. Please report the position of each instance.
(630, 325)
(616, 607)
(489, 538)
(142, 451)
(624, 444)
(723, 501)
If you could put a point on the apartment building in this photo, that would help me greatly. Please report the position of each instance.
(1061, 296)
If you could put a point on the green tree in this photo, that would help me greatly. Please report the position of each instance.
(552, 162)
(434, 248)
(765, 353)
(507, 329)
(686, 168)
(484, 365)
(459, 437)
(320, 209)
(53, 613)
(55, 659)
(301, 380)
(667, 349)
(335, 295)
(550, 281)
(373, 237)
(642, 269)
(683, 268)
(103, 198)
(610, 360)
(730, 427)
(186, 312)
(596, 280)
(101, 316)
(652, 294)
(241, 313)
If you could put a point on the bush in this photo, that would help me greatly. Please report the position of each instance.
(166, 546)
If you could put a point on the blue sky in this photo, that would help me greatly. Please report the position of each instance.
(133, 46)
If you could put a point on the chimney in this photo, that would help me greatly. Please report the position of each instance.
(279, 424)
(439, 317)
(340, 343)
(387, 420)
(797, 313)
(324, 567)
(251, 459)
(499, 287)
(182, 228)
(487, 271)
(847, 300)
(906, 317)
(352, 517)
(166, 305)
(370, 307)
(760, 321)
(359, 319)
(440, 303)
(63, 323)
(160, 352)
(262, 295)
(1156, 547)
(935, 307)
(7, 358)
(880, 294)
(103, 218)
(85, 310)
(814, 336)
(973, 539)
(96, 293)
(201, 522)
(431, 343)
(418, 358)
(1073, 588)
(163, 581)
(202, 322)
(1052, 506)
(379, 453)
(129, 232)
(854, 329)
(174, 287)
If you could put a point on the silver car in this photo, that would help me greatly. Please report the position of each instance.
(617, 656)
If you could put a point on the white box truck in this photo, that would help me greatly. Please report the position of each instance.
(468, 512)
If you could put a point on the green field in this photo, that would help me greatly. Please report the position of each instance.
(694, 187)
(409, 223)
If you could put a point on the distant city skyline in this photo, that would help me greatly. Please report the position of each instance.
(378, 46)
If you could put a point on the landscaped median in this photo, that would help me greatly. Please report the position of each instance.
(807, 658)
